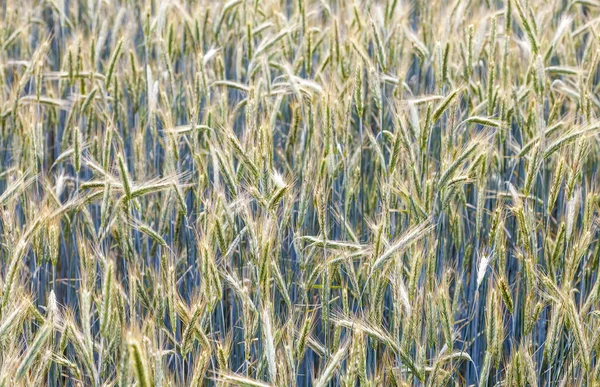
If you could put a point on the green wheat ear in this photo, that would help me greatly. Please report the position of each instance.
(139, 362)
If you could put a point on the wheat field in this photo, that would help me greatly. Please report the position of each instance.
(299, 193)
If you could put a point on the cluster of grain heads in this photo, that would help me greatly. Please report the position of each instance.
(306, 192)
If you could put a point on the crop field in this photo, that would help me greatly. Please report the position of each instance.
(299, 193)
